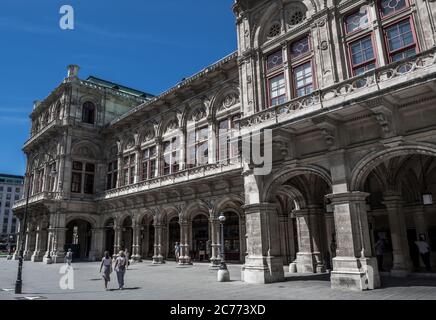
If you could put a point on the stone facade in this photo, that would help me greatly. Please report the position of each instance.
(347, 88)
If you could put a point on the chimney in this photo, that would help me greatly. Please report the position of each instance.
(73, 70)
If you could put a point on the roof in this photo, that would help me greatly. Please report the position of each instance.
(121, 88)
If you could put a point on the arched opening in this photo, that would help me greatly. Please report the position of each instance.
(200, 237)
(109, 236)
(78, 238)
(127, 235)
(400, 209)
(147, 237)
(88, 113)
(173, 236)
(232, 241)
(305, 227)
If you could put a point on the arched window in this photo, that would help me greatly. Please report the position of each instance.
(88, 113)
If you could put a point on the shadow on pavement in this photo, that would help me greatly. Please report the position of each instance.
(391, 282)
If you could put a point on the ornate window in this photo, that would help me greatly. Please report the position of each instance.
(297, 17)
(389, 7)
(112, 175)
(82, 180)
(400, 40)
(274, 30)
(357, 21)
(129, 169)
(149, 160)
(362, 55)
(88, 113)
(197, 147)
(303, 79)
(275, 79)
(171, 156)
(228, 139)
(301, 66)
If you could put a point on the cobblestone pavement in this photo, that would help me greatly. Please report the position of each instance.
(197, 282)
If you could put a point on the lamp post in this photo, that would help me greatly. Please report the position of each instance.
(223, 272)
(19, 281)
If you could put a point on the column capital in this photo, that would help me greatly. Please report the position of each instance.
(256, 207)
(341, 198)
(392, 200)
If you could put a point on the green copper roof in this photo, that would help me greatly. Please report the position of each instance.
(121, 88)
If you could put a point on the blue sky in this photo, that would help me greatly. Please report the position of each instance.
(147, 45)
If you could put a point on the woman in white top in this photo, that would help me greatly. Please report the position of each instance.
(120, 268)
(106, 265)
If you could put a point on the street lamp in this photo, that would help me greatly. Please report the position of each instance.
(19, 281)
(223, 272)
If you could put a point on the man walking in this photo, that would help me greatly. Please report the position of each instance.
(177, 251)
(69, 257)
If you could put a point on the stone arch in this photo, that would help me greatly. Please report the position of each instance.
(169, 123)
(284, 175)
(86, 149)
(193, 208)
(227, 97)
(272, 15)
(293, 193)
(367, 164)
(229, 202)
(87, 218)
(146, 134)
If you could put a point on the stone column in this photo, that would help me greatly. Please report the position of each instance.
(96, 252)
(284, 238)
(59, 245)
(354, 267)
(118, 231)
(137, 177)
(215, 259)
(212, 157)
(418, 213)
(136, 247)
(330, 233)
(30, 244)
(49, 252)
(397, 225)
(184, 259)
(120, 170)
(40, 244)
(263, 263)
(157, 257)
(309, 226)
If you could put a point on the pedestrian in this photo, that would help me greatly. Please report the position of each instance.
(177, 251)
(120, 269)
(424, 251)
(106, 265)
(379, 251)
(69, 257)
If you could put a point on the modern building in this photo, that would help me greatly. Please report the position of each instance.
(346, 89)
(11, 190)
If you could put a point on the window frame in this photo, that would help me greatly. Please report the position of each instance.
(149, 160)
(383, 16)
(84, 173)
(273, 73)
(403, 49)
(230, 143)
(359, 29)
(350, 55)
(174, 153)
(94, 113)
(294, 63)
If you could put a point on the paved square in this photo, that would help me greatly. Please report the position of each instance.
(198, 282)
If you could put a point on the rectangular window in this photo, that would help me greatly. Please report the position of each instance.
(400, 40)
(16, 197)
(89, 183)
(112, 175)
(171, 156)
(7, 204)
(198, 147)
(9, 189)
(149, 163)
(228, 139)
(303, 80)
(8, 196)
(277, 90)
(76, 182)
(357, 21)
(362, 55)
